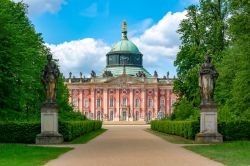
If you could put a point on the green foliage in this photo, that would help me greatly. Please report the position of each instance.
(185, 110)
(25, 132)
(71, 115)
(233, 90)
(203, 30)
(23, 56)
(87, 137)
(235, 130)
(186, 129)
(231, 130)
(72, 130)
(21, 132)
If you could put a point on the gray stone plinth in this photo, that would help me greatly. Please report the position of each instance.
(208, 125)
(49, 125)
(49, 138)
(208, 138)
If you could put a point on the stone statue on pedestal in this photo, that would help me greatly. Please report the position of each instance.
(208, 116)
(49, 79)
(207, 78)
(49, 111)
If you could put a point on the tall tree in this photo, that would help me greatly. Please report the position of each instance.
(203, 30)
(22, 58)
(233, 90)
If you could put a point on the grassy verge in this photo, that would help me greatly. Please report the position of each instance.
(25, 155)
(171, 138)
(235, 153)
(87, 137)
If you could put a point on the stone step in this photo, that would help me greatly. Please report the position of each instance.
(124, 123)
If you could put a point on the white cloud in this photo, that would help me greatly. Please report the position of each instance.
(80, 56)
(159, 45)
(37, 7)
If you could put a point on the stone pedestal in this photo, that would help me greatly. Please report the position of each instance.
(208, 125)
(49, 126)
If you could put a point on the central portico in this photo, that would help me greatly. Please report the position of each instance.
(124, 90)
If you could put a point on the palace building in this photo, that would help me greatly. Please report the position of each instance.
(124, 90)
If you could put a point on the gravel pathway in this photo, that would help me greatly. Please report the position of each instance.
(127, 145)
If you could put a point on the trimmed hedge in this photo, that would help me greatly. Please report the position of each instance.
(25, 132)
(235, 130)
(19, 132)
(72, 130)
(231, 130)
(186, 129)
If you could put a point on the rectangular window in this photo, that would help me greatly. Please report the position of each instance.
(86, 103)
(98, 102)
(150, 103)
(137, 102)
(111, 102)
(75, 102)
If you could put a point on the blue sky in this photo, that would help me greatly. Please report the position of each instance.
(81, 32)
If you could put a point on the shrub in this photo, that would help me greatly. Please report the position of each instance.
(235, 130)
(186, 129)
(71, 130)
(231, 130)
(25, 132)
(21, 132)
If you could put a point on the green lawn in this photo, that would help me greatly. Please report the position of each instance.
(25, 155)
(235, 153)
(171, 138)
(87, 137)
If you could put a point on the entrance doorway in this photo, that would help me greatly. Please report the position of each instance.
(124, 115)
(137, 115)
(149, 116)
(99, 115)
(111, 115)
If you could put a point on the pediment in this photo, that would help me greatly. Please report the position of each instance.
(124, 79)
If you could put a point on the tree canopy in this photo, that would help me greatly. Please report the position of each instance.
(22, 58)
(219, 28)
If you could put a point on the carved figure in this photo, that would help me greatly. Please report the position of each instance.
(155, 74)
(93, 74)
(207, 78)
(107, 74)
(49, 79)
(140, 74)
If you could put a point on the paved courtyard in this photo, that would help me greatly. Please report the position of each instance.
(130, 146)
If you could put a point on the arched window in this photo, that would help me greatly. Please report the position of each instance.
(75, 102)
(86, 102)
(150, 102)
(98, 102)
(124, 101)
(162, 102)
(111, 101)
(137, 102)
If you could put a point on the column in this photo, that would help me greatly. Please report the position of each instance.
(105, 101)
(92, 104)
(131, 104)
(156, 99)
(80, 100)
(117, 102)
(143, 104)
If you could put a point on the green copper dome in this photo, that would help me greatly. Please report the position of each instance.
(124, 52)
(125, 46)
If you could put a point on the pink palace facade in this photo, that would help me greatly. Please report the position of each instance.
(124, 90)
